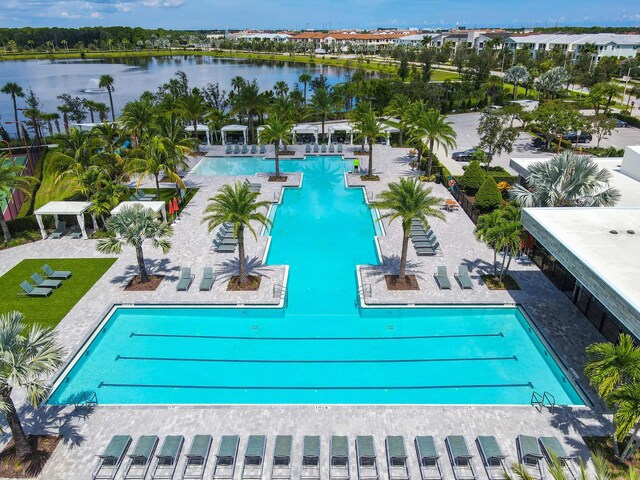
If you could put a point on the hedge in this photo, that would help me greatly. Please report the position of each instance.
(489, 195)
(633, 121)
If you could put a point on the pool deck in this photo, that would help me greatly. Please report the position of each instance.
(562, 324)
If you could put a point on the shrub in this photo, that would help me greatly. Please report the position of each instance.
(633, 121)
(489, 195)
(473, 178)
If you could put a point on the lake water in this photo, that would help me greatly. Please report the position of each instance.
(50, 78)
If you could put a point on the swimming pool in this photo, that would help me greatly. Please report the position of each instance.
(322, 348)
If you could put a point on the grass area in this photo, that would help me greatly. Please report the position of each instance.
(49, 190)
(49, 311)
(507, 283)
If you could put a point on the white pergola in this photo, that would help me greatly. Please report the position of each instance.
(305, 129)
(199, 129)
(57, 209)
(340, 127)
(158, 207)
(234, 128)
(388, 130)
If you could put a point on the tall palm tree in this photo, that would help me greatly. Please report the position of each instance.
(11, 179)
(281, 88)
(15, 90)
(27, 357)
(237, 83)
(192, 108)
(89, 105)
(518, 74)
(285, 107)
(322, 105)
(239, 207)
(304, 79)
(397, 108)
(107, 81)
(433, 127)
(627, 414)
(567, 180)
(102, 110)
(367, 126)
(277, 130)
(131, 227)
(137, 117)
(508, 235)
(250, 101)
(486, 232)
(408, 200)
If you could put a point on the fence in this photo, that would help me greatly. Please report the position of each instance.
(14, 203)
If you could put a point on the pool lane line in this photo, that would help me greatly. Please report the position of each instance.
(262, 387)
(402, 360)
(224, 337)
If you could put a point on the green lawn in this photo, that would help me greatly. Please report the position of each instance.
(49, 311)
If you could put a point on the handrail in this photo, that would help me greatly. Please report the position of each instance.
(551, 401)
(545, 400)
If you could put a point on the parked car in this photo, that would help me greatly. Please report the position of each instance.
(573, 137)
(621, 123)
(539, 142)
(466, 155)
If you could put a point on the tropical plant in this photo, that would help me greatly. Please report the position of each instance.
(192, 107)
(566, 180)
(551, 82)
(276, 130)
(11, 179)
(251, 102)
(15, 90)
(367, 127)
(136, 117)
(27, 357)
(398, 107)
(502, 231)
(626, 398)
(518, 74)
(408, 200)
(107, 81)
(433, 127)
(131, 227)
(304, 79)
(238, 206)
(322, 105)
(488, 195)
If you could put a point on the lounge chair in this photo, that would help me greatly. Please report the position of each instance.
(61, 228)
(463, 277)
(307, 148)
(324, 148)
(315, 148)
(366, 456)
(245, 149)
(222, 248)
(226, 239)
(236, 149)
(254, 457)
(424, 241)
(530, 456)
(461, 458)
(228, 150)
(45, 283)
(281, 466)
(75, 234)
(186, 277)
(310, 469)
(263, 149)
(111, 458)
(225, 465)
(339, 148)
(143, 196)
(553, 450)
(31, 291)
(428, 458)
(492, 457)
(442, 277)
(254, 149)
(55, 274)
(339, 461)
(208, 277)
(253, 187)
(197, 458)
(332, 148)
(422, 234)
(396, 458)
(428, 250)
(141, 457)
(167, 457)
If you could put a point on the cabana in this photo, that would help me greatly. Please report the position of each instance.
(305, 130)
(340, 131)
(237, 130)
(199, 129)
(388, 131)
(157, 207)
(57, 209)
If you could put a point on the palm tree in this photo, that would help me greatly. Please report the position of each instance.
(192, 108)
(398, 107)
(131, 227)
(322, 105)
(626, 398)
(89, 105)
(106, 81)
(508, 235)
(368, 127)
(502, 231)
(136, 117)
(29, 356)
(434, 127)
(238, 206)
(277, 130)
(250, 101)
(304, 79)
(485, 232)
(408, 200)
(15, 90)
(567, 180)
(518, 74)
(102, 110)
(237, 83)
(11, 179)
(281, 88)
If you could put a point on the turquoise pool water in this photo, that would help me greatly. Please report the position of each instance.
(322, 348)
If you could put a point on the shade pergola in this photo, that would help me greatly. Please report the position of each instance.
(234, 128)
(199, 129)
(305, 130)
(57, 209)
(340, 127)
(157, 207)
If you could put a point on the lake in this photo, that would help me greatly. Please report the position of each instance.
(50, 78)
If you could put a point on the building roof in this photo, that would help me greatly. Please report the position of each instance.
(577, 39)
(605, 263)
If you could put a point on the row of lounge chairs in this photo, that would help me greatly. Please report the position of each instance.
(245, 149)
(442, 277)
(61, 229)
(44, 286)
(164, 463)
(140, 196)
(186, 279)
(333, 147)
(424, 241)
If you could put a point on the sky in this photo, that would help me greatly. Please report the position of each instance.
(304, 14)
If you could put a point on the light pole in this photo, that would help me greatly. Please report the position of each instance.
(626, 85)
